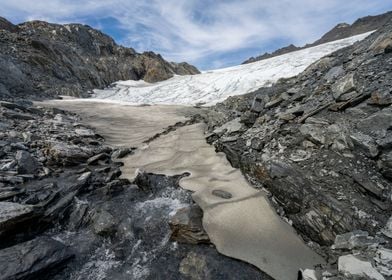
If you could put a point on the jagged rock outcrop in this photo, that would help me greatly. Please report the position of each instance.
(320, 142)
(6, 25)
(40, 59)
(361, 25)
(27, 260)
(340, 31)
(288, 49)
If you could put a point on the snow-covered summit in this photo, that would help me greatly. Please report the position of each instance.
(214, 86)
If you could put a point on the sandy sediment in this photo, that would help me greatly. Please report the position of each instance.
(238, 218)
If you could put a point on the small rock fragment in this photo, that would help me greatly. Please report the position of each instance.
(13, 214)
(387, 230)
(26, 163)
(84, 132)
(383, 260)
(383, 98)
(194, 267)
(104, 223)
(222, 194)
(120, 153)
(95, 159)
(343, 85)
(351, 266)
(314, 133)
(26, 260)
(352, 240)
(365, 143)
(187, 227)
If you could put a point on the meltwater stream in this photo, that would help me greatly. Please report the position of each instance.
(242, 225)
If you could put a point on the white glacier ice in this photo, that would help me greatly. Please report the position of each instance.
(214, 86)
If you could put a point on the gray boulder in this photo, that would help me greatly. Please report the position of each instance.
(66, 154)
(353, 240)
(387, 230)
(377, 124)
(26, 163)
(365, 143)
(26, 260)
(257, 104)
(334, 73)
(314, 133)
(104, 223)
(385, 165)
(381, 98)
(187, 227)
(97, 158)
(13, 215)
(343, 85)
(352, 266)
(120, 153)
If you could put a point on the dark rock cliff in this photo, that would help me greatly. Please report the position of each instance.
(320, 142)
(40, 59)
(340, 31)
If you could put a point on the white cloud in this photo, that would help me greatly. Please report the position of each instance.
(193, 29)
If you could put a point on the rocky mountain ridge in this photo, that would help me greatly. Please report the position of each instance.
(40, 59)
(340, 31)
(320, 143)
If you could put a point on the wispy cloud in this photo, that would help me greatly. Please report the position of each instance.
(202, 31)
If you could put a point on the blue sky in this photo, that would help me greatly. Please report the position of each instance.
(209, 34)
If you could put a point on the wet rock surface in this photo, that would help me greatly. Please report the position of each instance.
(13, 215)
(29, 259)
(65, 213)
(186, 226)
(131, 238)
(319, 143)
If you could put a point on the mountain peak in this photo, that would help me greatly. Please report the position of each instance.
(46, 59)
(340, 31)
(6, 25)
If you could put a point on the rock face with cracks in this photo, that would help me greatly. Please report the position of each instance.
(340, 31)
(40, 60)
(319, 143)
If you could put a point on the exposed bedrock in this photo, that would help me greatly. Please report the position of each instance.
(320, 143)
(340, 31)
(40, 59)
(32, 258)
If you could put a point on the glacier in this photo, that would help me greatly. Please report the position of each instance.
(214, 86)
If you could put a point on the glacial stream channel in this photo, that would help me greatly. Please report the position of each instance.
(244, 226)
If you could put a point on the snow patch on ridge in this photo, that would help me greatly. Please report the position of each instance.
(215, 86)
